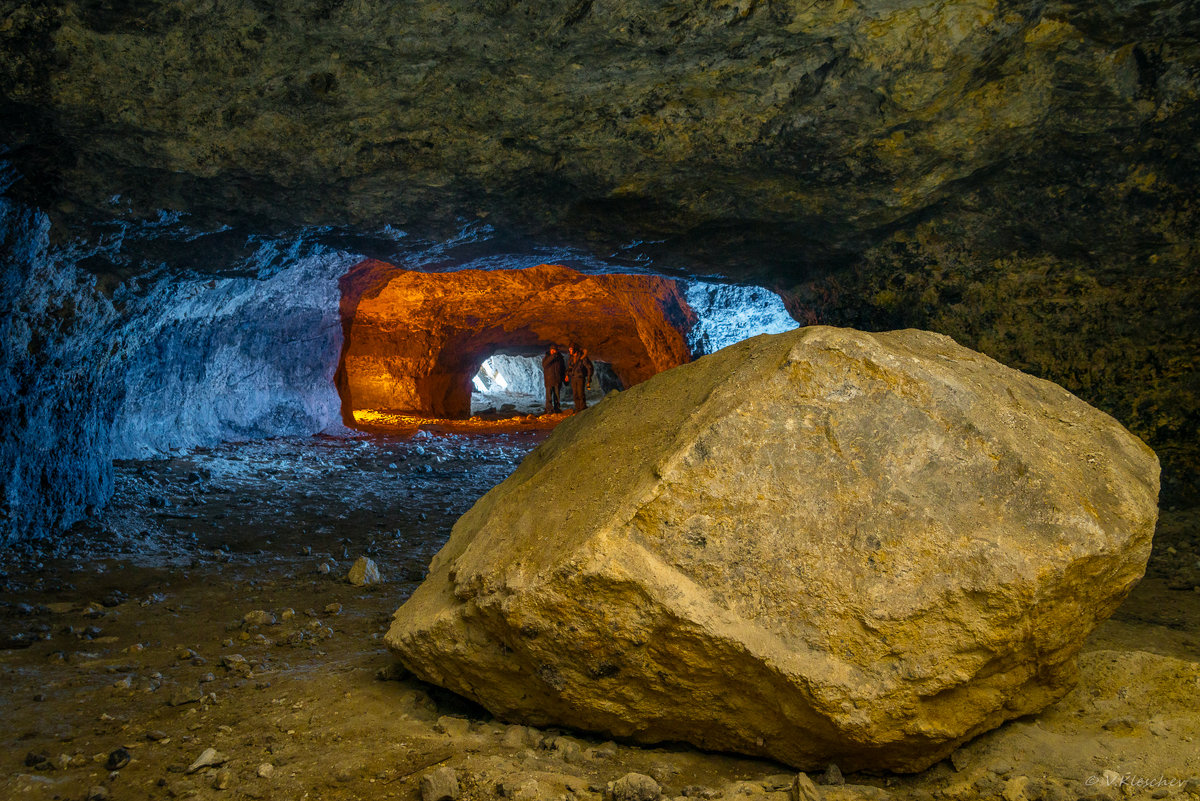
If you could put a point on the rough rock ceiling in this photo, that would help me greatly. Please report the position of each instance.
(1022, 175)
(731, 136)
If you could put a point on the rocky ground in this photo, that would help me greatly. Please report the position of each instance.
(201, 639)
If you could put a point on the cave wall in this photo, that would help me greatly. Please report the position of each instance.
(523, 374)
(59, 388)
(1114, 318)
(215, 360)
(162, 362)
(727, 313)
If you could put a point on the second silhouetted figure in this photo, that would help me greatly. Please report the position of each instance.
(579, 375)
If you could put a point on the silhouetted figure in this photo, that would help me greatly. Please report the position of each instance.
(554, 372)
(579, 375)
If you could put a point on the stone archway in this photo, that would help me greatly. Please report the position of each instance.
(413, 340)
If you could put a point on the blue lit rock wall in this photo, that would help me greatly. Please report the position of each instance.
(57, 393)
(727, 313)
(214, 360)
(170, 361)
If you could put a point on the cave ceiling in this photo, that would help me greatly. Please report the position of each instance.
(742, 137)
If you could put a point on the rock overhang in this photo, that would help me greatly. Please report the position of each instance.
(843, 153)
(818, 129)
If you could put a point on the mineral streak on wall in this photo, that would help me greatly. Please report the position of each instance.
(413, 340)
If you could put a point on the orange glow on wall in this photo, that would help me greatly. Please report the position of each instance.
(413, 340)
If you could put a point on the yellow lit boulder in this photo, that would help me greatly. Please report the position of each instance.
(824, 545)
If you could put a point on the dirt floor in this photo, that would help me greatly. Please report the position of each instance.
(200, 640)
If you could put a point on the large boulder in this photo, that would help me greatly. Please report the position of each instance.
(823, 545)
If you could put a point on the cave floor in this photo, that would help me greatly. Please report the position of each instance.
(208, 607)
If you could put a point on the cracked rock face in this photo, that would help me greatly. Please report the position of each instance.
(735, 125)
(829, 545)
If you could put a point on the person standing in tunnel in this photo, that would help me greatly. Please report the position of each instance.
(554, 372)
(579, 376)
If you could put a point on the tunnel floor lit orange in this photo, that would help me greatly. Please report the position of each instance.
(391, 421)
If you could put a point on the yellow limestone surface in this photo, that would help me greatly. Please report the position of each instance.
(812, 546)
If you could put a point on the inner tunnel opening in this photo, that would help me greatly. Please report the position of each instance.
(467, 345)
(510, 385)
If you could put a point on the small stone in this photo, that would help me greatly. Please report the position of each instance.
(208, 758)
(222, 780)
(528, 790)
(439, 785)
(833, 776)
(364, 572)
(395, 671)
(185, 695)
(454, 727)
(566, 748)
(265, 771)
(333, 609)
(663, 772)
(632, 787)
(236, 663)
(1122, 725)
(259, 617)
(778, 782)
(1016, 789)
(98, 793)
(287, 614)
(117, 759)
(803, 789)
(516, 737)
(324, 568)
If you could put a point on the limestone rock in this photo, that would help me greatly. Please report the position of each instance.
(363, 572)
(803, 789)
(259, 617)
(632, 787)
(209, 757)
(439, 785)
(838, 546)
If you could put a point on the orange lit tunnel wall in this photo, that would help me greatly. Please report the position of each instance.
(414, 340)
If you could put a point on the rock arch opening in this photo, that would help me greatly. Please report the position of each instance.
(508, 385)
(414, 342)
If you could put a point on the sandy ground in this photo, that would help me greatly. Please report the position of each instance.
(208, 608)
